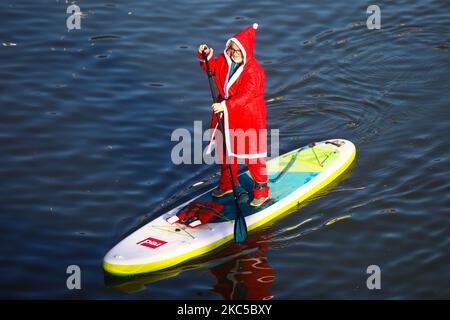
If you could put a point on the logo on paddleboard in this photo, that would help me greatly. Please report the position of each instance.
(151, 243)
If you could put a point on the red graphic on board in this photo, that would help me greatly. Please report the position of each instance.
(151, 243)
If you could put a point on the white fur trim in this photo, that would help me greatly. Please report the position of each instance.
(238, 43)
(212, 141)
(250, 156)
(255, 26)
(227, 134)
(229, 83)
(211, 52)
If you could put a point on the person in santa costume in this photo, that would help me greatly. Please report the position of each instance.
(241, 106)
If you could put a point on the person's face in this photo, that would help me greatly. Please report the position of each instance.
(234, 52)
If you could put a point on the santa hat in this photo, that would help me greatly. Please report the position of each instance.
(245, 40)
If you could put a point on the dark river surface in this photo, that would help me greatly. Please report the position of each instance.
(85, 139)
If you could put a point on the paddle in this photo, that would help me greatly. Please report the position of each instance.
(240, 227)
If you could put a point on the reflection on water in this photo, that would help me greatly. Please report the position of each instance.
(248, 276)
(240, 272)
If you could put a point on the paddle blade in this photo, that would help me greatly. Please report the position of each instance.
(240, 228)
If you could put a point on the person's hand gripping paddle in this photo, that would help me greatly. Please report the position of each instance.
(240, 226)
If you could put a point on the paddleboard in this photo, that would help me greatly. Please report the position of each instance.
(293, 177)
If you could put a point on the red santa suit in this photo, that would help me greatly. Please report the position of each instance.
(244, 116)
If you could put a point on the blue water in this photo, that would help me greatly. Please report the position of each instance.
(86, 150)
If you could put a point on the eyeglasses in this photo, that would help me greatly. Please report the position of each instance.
(233, 51)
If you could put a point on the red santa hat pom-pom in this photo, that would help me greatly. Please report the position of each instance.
(255, 26)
